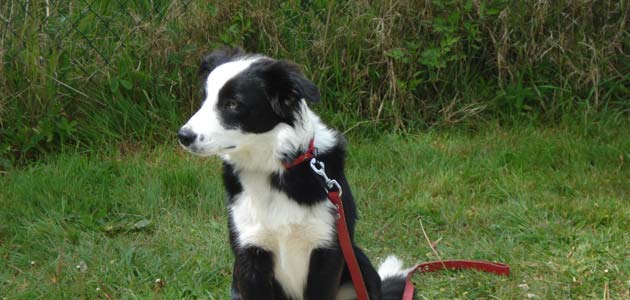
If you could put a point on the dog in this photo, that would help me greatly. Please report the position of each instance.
(255, 117)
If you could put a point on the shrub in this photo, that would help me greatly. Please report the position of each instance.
(79, 73)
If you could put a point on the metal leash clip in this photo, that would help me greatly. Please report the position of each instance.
(320, 169)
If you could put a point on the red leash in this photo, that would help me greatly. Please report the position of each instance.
(309, 154)
(334, 195)
(485, 266)
(346, 247)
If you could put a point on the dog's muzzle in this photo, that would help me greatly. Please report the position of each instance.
(186, 136)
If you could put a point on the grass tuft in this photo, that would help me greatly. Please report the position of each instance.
(552, 203)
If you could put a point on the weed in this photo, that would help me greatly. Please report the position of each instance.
(87, 73)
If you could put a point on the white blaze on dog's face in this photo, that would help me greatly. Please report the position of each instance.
(245, 97)
(211, 134)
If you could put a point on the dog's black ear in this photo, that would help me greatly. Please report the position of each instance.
(286, 86)
(214, 59)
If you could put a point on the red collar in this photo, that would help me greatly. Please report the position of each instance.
(310, 153)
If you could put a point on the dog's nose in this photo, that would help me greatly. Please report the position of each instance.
(186, 136)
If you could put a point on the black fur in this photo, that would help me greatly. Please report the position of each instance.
(268, 93)
(243, 103)
(214, 59)
(393, 287)
(327, 269)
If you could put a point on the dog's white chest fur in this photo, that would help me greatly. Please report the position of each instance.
(266, 218)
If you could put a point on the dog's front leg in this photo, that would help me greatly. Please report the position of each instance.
(253, 275)
(324, 274)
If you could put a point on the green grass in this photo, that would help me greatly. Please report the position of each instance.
(86, 72)
(552, 203)
(82, 75)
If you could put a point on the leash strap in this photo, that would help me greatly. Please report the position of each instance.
(346, 247)
(485, 266)
(334, 192)
(309, 154)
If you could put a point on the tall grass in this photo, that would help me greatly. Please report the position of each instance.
(79, 73)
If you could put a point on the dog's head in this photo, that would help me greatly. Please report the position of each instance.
(244, 96)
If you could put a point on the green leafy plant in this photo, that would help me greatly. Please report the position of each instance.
(85, 73)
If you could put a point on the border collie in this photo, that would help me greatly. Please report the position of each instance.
(282, 226)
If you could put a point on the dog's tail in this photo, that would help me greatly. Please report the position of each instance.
(393, 278)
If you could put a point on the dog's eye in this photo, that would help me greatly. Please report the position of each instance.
(231, 104)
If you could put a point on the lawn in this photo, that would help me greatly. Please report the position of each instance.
(131, 222)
